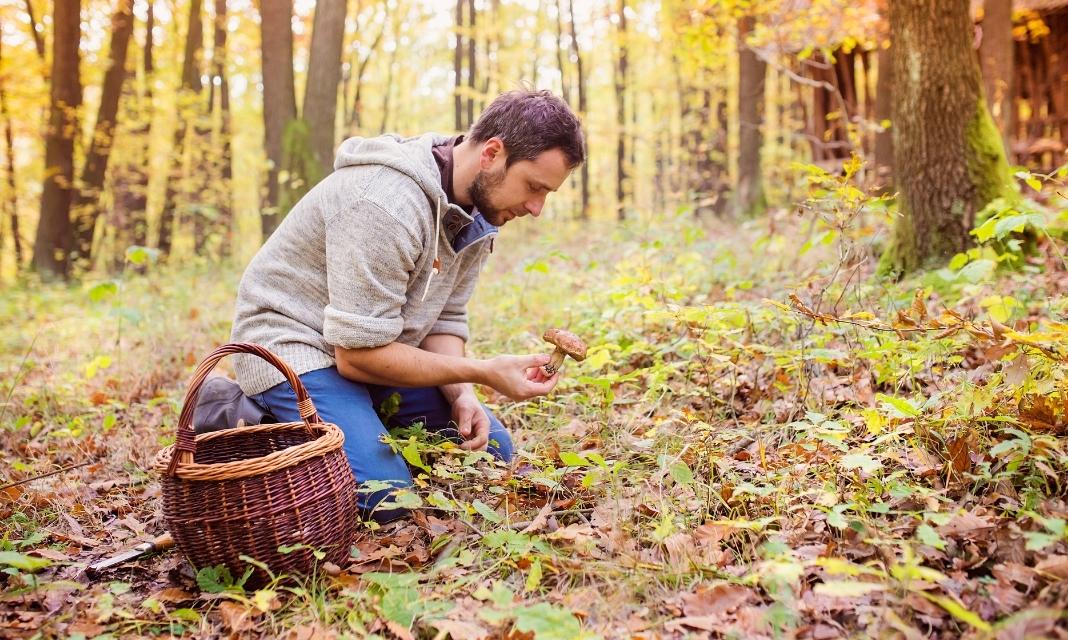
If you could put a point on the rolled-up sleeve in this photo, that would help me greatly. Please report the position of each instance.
(370, 257)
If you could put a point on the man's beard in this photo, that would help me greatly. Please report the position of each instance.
(480, 191)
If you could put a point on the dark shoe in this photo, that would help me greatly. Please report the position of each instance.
(222, 405)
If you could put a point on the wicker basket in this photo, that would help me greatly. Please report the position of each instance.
(250, 490)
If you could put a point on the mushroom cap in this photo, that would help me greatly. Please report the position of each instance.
(571, 344)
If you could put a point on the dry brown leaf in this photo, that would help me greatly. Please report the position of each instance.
(235, 617)
(461, 629)
(402, 632)
(967, 525)
(960, 454)
(310, 632)
(715, 600)
(1054, 566)
(173, 595)
(705, 623)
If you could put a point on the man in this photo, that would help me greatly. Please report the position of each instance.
(363, 288)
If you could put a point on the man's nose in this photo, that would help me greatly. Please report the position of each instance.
(535, 206)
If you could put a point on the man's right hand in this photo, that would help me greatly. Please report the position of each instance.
(520, 377)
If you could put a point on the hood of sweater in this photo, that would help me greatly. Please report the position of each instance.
(414, 157)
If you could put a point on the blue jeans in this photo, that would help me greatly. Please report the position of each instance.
(355, 408)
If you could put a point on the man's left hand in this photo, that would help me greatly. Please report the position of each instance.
(471, 421)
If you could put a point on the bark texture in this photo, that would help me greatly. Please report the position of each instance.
(948, 154)
(86, 208)
(51, 253)
(324, 77)
(279, 99)
(996, 54)
(749, 196)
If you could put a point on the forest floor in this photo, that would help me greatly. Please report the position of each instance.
(864, 459)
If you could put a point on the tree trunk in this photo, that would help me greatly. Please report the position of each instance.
(221, 225)
(279, 99)
(948, 155)
(565, 80)
(38, 36)
(749, 197)
(86, 208)
(585, 170)
(324, 77)
(356, 121)
(471, 63)
(187, 100)
(621, 111)
(390, 69)
(12, 203)
(51, 251)
(138, 202)
(996, 52)
(884, 139)
(458, 67)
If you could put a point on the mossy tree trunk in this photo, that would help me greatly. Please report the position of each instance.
(948, 157)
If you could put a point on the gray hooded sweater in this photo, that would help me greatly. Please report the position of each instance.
(353, 263)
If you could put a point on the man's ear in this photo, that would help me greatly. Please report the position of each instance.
(491, 150)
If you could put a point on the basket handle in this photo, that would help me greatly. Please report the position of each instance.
(186, 443)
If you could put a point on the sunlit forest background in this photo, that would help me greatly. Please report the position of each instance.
(192, 126)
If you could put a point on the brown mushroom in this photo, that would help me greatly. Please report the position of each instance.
(567, 344)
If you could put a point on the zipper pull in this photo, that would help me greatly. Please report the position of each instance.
(437, 265)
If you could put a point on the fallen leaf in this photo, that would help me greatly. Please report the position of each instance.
(461, 630)
(173, 595)
(715, 600)
(1054, 566)
(235, 617)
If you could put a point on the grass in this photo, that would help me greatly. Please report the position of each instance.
(719, 463)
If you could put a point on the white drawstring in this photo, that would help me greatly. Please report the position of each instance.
(436, 265)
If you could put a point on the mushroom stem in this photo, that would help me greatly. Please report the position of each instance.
(555, 360)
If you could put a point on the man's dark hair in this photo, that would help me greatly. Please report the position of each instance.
(530, 123)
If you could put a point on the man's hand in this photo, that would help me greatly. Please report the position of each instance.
(471, 421)
(520, 377)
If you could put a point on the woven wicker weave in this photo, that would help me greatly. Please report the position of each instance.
(250, 490)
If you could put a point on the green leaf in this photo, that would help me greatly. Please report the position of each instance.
(977, 270)
(401, 605)
(547, 622)
(846, 589)
(103, 291)
(533, 576)
(23, 562)
(215, 579)
(958, 611)
(573, 459)
(1017, 223)
(681, 473)
(860, 461)
(898, 407)
(926, 534)
(411, 454)
(489, 514)
(1034, 183)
